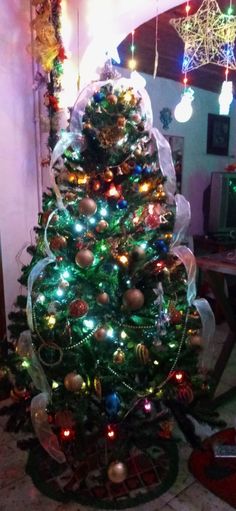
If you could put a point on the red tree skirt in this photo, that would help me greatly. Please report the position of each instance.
(150, 473)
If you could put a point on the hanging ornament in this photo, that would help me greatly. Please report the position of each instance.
(195, 340)
(121, 121)
(73, 382)
(206, 35)
(138, 253)
(87, 207)
(117, 472)
(184, 394)
(118, 356)
(84, 258)
(97, 386)
(112, 404)
(133, 299)
(102, 226)
(78, 308)
(175, 315)
(152, 217)
(108, 175)
(103, 299)
(122, 204)
(142, 353)
(58, 243)
(101, 334)
(112, 99)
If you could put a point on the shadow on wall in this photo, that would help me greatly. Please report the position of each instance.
(198, 182)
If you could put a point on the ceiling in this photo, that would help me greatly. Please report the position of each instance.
(170, 50)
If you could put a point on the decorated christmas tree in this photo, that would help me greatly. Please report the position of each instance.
(114, 338)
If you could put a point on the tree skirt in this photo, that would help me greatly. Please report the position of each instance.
(218, 475)
(150, 473)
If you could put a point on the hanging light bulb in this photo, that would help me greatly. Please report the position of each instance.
(226, 97)
(184, 110)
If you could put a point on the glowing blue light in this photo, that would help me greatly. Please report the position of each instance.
(66, 274)
(89, 323)
(79, 227)
(41, 298)
(92, 221)
(60, 292)
(103, 212)
(110, 333)
(144, 244)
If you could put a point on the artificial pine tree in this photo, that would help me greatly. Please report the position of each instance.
(114, 340)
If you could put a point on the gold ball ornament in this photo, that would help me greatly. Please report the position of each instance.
(87, 207)
(133, 299)
(118, 356)
(58, 243)
(101, 226)
(108, 175)
(101, 334)
(142, 353)
(117, 472)
(73, 382)
(84, 258)
(103, 299)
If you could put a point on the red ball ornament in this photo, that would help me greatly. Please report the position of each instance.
(64, 418)
(101, 334)
(84, 258)
(184, 394)
(102, 299)
(133, 299)
(112, 99)
(101, 226)
(73, 382)
(87, 207)
(58, 243)
(78, 308)
(175, 316)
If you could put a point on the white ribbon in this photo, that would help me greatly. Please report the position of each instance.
(67, 139)
(42, 428)
(182, 219)
(35, 272)
(25, 350)
(165, 161)
(187, 258)
(208, 329)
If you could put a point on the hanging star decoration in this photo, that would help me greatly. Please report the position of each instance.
(208, 36)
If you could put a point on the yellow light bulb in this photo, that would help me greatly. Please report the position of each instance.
(123, 259)
(132, 64)
(144, 187)
(51, 320)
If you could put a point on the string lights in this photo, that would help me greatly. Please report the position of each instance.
(226, 95)
(183, 110)
(132, 62)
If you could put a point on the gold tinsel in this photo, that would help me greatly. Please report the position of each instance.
(45, 47)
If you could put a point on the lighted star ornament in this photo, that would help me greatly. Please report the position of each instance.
(208, 36)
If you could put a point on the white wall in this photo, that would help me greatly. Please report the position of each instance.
(18, 176)
(197, 164)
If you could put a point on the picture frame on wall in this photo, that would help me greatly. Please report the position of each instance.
(218, 130)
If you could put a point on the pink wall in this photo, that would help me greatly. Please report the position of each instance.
(18, 176)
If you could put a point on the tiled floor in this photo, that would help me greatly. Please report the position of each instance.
(17, 493)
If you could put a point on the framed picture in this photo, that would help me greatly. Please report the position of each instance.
(218, 134)
(177, 150)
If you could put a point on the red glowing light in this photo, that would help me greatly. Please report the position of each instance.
(185, 80)
(66, 433)
(111, 432)
(179, 377)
